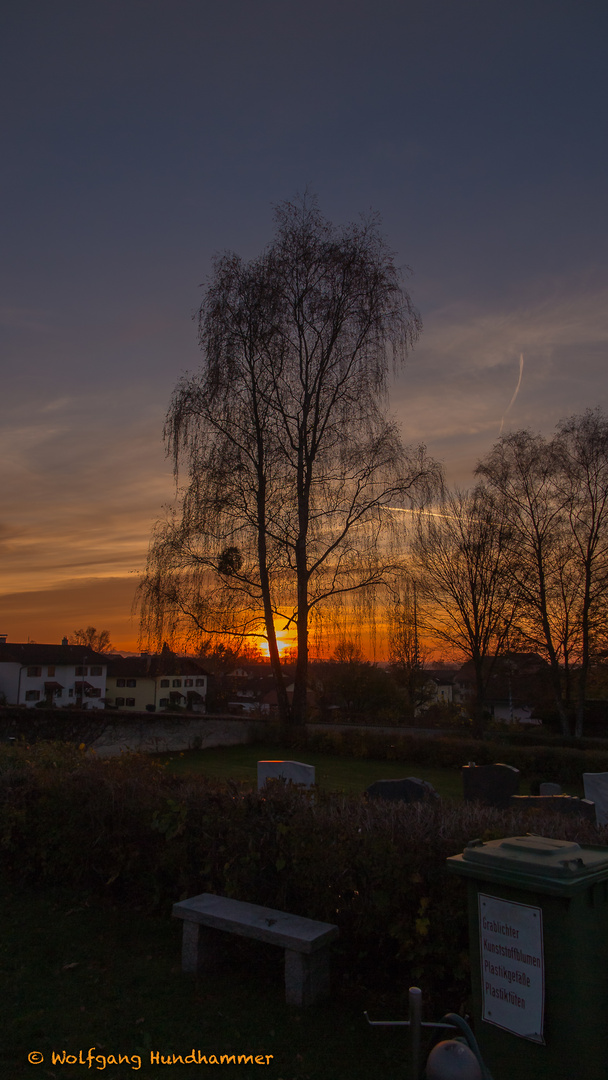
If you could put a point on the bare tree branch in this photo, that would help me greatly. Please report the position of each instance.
(285, 443)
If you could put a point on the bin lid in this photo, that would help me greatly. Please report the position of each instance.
(556, 866)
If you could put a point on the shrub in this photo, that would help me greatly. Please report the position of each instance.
(67, 723)
(547, 760)
(126, 829)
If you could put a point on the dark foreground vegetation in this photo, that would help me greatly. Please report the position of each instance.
(125, 831)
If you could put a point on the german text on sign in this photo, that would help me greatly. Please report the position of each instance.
(512, 966)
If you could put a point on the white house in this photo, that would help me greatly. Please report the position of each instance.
(58, 674)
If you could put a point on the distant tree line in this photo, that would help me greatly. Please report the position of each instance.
(96, 640)
(521, 561)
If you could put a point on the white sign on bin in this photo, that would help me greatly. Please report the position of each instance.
(512, 966)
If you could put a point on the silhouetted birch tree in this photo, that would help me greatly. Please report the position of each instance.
(290, 458)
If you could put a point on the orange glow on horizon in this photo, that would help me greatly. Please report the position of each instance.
(286, 641)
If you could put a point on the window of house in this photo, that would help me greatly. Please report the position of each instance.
(71, 692)
(120, 701)
(120, 682)
(131, 682)
(164, 701)
(51, 670)
(188, 682)
(34, 672)
(96, 669)
(82, 671)
(200, 682)
(130, 702)
(177, 682)
(32, 695)
(164, 682)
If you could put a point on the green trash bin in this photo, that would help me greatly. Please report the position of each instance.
(538, 927)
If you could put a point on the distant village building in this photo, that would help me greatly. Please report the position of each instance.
(250, 691)
(517, 684)
(156, 683)
(32, 674)
(440, 685)
(63, 675)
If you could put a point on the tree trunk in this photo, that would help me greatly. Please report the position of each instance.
(273, 648)
(556, 682)
(299, 709)
(556, 675)
(585, 659)
(479, 702)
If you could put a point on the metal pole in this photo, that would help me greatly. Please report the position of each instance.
(415, 1001)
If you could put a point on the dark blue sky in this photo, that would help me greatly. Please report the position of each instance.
(140, 137)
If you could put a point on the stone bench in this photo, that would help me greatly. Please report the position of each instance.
(306, 941)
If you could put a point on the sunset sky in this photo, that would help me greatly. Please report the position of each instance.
(140, 137)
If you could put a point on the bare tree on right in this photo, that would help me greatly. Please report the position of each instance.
(461, 559)
(553, 493)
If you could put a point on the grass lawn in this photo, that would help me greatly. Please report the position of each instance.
(76, 976)
(352, 775)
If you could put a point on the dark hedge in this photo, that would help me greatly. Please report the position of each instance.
(126, 829)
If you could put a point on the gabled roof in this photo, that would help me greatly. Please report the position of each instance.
(515, 663)
(152, 665)
(30, 654)
(263, 670)
(442, 675)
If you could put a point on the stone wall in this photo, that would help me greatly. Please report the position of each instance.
(157, 734)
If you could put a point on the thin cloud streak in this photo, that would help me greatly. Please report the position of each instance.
(514, 398)
(451, 393)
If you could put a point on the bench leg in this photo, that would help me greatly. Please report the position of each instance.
(306, 976)
(201, 948)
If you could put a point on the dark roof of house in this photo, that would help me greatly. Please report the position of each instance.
(30, 654)
(442, 675)
(152, 665)
(258, 671)
(514, 663)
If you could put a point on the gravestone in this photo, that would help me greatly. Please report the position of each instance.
(559, 804)
(550, 789)
(596, 789)
(295, 771)
(409, 790)
(492, 785)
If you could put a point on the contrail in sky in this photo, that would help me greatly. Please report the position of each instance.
(512, 401)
